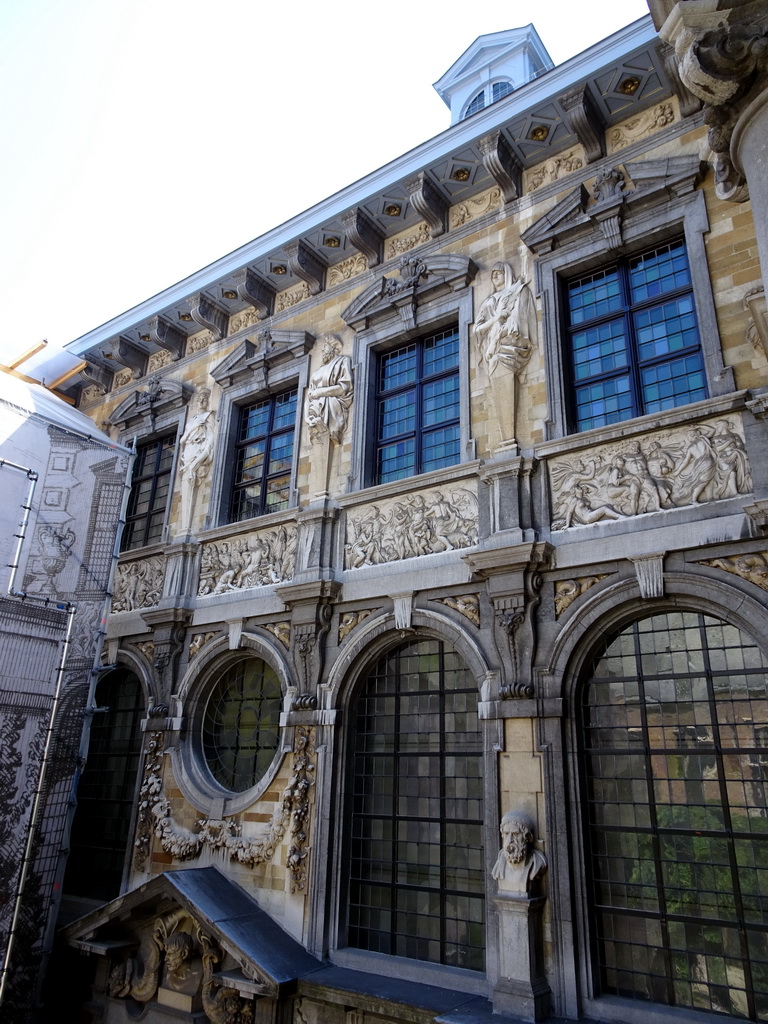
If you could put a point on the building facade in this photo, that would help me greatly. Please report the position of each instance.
(438, 629)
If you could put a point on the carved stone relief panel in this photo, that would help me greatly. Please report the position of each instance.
(401, 243)
(198, 640)
(158, 360)
(351, 619)
(554, 169)
(256, 560)
(347, 269)
(667, 469)
(123, 377)
(467, 605)
(476, 207)
(291, 297)
(752, 567)
(281, 631)
(566, 591)
(197, 342)
(138, 584)
(640, 126)
(419, 524)
(246, 318)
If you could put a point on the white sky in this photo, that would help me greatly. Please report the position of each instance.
(144, 139)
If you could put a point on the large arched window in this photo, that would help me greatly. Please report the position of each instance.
(106, 790)
(416, 879)
(675, 749)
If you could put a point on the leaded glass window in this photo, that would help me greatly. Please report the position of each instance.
(106, 790)
(148, 499)
(416, 878)
(633, 340)
(263, 456)
(417, 407)
(675, 749)
(240, 728)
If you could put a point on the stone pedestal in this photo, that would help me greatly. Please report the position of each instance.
(521, 990)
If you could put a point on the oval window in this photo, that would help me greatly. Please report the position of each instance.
(241, 723)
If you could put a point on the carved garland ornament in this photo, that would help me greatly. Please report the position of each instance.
(669, 469)
(752, 567)
(554, 169)
(400, 244)
(467, 605)
(221, 834)
(419, 524)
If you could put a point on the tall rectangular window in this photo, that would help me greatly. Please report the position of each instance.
(417, 407)
(150, 487)
(633, 340)
(263, 456)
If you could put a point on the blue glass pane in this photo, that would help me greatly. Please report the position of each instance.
(255, 420)
(594, 296)
(277, 494)
(669, 327)
(250, 462)
(397, 461)
(501, 89)
(397, 415)
(285, 411)
(280, 453)
(441, 401)
(658, 272)
(477, 103)
(600, 349)
(673, 383)
(398, 368)
(440, 448)
(607, 401)
(441, 352)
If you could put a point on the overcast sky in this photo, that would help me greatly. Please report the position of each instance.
(144, 139)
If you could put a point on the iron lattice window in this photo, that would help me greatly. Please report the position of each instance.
(417, 407)
(240, 729)
(633, 340)
(488, 94)
(416, 850)
(107, 790)
(675, 748)
(263, 456)
(150, 487)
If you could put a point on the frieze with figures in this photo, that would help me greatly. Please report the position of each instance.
(419, 524)
(257, 560)
(669, 469)
(139, 584)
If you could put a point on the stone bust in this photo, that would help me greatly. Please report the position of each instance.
(518, 863)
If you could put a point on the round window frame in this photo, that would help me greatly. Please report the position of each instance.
(193, 775)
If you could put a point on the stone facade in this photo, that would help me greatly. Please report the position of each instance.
(557, 510)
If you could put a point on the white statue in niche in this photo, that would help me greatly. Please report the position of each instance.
(505, 329)
(329, 394)
(518, 863)
(505, 333)
(195, 455)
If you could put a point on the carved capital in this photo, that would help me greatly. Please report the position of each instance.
(256, 292)
(585, 122)
(501, 164)
(429, 203)
(307, 265)
(366, 237)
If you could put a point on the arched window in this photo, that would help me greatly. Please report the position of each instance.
(241, 724)
(675, 748)
(416, 879)
(487, 95)
(106, 790)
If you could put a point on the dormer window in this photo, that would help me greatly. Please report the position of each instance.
(487, 95)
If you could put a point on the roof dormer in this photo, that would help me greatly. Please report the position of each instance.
(492, 67)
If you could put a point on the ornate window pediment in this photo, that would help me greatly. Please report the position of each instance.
(263, 351)
(145, 409)
(641, 185)
(420, 279)
(208, 926)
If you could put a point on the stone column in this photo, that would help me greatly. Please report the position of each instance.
(721, 48)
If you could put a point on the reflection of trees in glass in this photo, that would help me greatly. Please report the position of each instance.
(675, 722)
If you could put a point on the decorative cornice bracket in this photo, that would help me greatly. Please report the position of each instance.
(585, 122)
(254, 290)
(501, 164)
(307, 265)
(210, 315)
(429, 203)
(366, 237)
(167, 336)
